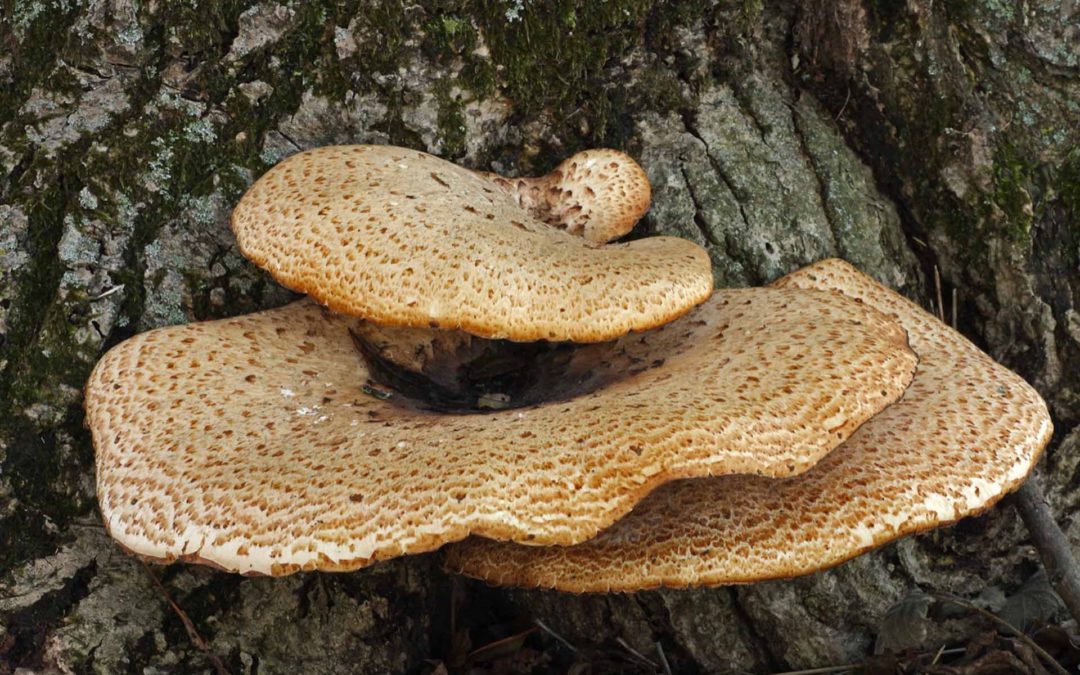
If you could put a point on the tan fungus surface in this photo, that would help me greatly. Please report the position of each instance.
(404, 238)
(252, 444)
(596, 194)
(966, 432)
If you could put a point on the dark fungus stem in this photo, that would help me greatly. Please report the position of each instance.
(1054, 549)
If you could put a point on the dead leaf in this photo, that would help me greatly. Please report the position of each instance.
(1032, 605)
(904, 624)
(501, 648)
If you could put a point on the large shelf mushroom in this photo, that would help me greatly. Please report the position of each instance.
(403, 238)
(262, 444)
(966, 432)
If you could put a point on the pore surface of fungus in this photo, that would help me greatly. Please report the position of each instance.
(966, 432)
(256, 444)
(403, 238)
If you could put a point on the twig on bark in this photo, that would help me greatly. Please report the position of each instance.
(847, 668)
(636, 654)
(544, 627)
(826, 669)
(1062, 569)
(938, 655)
(1016, 632)
(843, 107)
(937, 291)
(193, 633)
(663, 658)
(954, 309)
(105, 294)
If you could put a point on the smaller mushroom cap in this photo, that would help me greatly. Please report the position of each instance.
(596, 194)
(403, 238)
(256, 444)
(966, 432)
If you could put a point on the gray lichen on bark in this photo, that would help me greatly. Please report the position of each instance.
(898, 136)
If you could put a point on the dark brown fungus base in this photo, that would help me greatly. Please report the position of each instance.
(452, 371)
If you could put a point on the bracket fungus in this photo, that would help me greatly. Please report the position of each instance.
(251, 443)
(261, 444)
(966, 432)
(403, 238)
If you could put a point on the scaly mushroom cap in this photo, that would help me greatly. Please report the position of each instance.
(596, 194)
(255, 445)
(966, 432)
(403, 238)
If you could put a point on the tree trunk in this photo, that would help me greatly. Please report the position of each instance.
(905, 137)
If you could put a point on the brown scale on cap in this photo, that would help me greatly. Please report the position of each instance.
(254, 445)
(403, 238)
(966, 432)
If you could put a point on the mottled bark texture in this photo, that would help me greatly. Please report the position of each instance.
(899, 135)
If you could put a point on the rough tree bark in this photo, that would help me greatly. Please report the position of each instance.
(899, 135)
